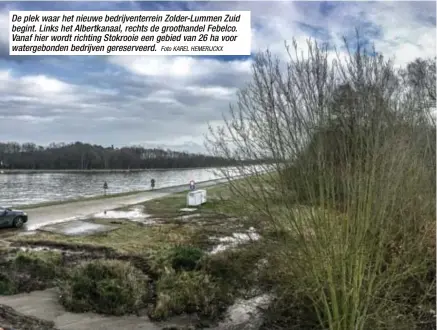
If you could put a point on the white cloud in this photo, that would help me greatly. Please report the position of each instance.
(404, 35)
(178, 67)
(43, 85)
(214, 92)
(168, 100)
(39, 89)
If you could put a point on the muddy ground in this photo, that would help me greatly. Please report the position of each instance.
(46, 213)
(222, 287)
(142, 235)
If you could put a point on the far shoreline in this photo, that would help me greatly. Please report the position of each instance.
(25, 171)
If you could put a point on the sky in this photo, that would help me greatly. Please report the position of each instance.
(168, 101)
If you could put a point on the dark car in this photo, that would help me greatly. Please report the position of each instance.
(12, 218)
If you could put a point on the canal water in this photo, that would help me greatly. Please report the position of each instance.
(31, 188)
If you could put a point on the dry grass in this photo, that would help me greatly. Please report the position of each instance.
(212, 219)
(185, 279)
(354, 141)
(105, 286)
(129, 238)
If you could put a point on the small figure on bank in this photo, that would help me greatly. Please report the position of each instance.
(192, 185)
(105, 187)
(152, 183)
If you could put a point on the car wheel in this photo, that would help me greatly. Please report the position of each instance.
(18, 222)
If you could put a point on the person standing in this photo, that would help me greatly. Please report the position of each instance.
(192, 185)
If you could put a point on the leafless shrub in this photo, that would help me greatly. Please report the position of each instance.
(352, 141)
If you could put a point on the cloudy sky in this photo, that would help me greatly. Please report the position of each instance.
(168, 101)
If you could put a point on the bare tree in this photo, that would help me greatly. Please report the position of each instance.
(343, 172)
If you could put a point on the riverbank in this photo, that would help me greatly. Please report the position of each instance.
(159, 263)
(24, 171)
(49, 213)
(162, 264)
(113, 197)
(22, 190)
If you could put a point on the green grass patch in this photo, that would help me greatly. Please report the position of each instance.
(183, 278)
(190, 292)
(27, 271)
(106, 287)
(130, 238)
(185, 258)
(209, 284)
(237, 269)
(170, 206)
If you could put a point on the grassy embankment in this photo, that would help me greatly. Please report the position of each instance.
(164, 268)
(308, 251)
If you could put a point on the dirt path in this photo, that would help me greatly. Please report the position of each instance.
(45, 215)
(44, 305)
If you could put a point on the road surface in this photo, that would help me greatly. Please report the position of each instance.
(45, 305)
(45, 215)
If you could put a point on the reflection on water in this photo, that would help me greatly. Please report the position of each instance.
(18, 189)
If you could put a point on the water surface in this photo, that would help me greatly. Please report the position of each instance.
(30, 188)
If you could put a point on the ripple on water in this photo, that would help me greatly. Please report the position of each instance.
(33, 188)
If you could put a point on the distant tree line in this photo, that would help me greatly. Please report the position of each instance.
(83, 156)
